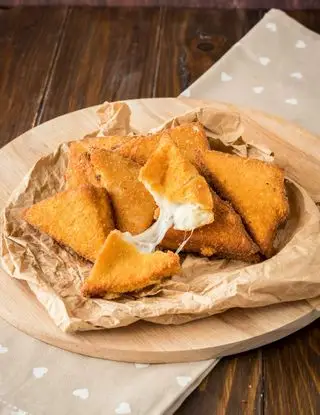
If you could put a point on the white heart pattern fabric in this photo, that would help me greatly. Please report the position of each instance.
(186, 93)
(258, 89)
(3, 349)
(300, 44)
(39, 372)
(225, 77)
(264, 60)
(297, 75)
(81, 393)
(123, 408)
(183, 380)
(271, 26)
(292, 101)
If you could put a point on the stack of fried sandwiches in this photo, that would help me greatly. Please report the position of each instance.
(133, 203)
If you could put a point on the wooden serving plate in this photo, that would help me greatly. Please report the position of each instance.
(231, 332)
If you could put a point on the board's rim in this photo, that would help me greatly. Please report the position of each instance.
(269, 115)
(175, 356)
(181, 355)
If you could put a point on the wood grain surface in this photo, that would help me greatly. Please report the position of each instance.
(221, 4)
(234, 387)
(105, 54)
(28, 43)
(223, 334)
(193, 40)
(279, 379)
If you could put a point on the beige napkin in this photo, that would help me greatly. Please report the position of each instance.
(273, 68)
(38, 379)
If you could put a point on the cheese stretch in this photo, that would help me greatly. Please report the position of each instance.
(180, 216)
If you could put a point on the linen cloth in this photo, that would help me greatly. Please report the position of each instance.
(273, 68)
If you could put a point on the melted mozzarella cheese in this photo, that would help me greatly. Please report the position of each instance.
(180, 216)
(183, 216)
(151, 237)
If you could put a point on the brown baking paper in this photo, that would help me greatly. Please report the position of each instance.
(206, 286)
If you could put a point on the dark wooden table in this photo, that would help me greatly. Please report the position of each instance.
(57, 60)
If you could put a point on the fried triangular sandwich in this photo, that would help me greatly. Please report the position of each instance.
(122, 268)
(225, 237)
(132, 203)
(78, 218)
(111, 142)
(189, 138)
(140, 148)
(255, 189)
(177, 186)
(79, 170)
(182, 195)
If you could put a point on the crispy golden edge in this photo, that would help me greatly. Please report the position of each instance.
(186, 138)
(79, 170)
(101, 202)
(106, 143)
(133, 204)
(225, 237)
(185, 185)
(140, 148)
(164, 265)
(266, 246)
(191, 139)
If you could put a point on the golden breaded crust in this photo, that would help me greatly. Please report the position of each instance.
(133, 205)
(189, 138)
(108, 143)
(79, 170)
(140, 148)
(172, 176)
(79, 218)
(255, 189)
(121, 268)
(225, 237)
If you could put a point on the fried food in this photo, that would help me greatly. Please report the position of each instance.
(177, 186)
(225, 237)
(121, 268)
(189, 138)
(107, 143)
(256, 191)
(139, 149)
(183, 196)
(79, 170)
(79, 218)
(133, 205)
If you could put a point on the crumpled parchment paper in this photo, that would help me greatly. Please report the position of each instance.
(206, 286)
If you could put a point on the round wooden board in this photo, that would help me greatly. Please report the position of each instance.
(228, 333)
